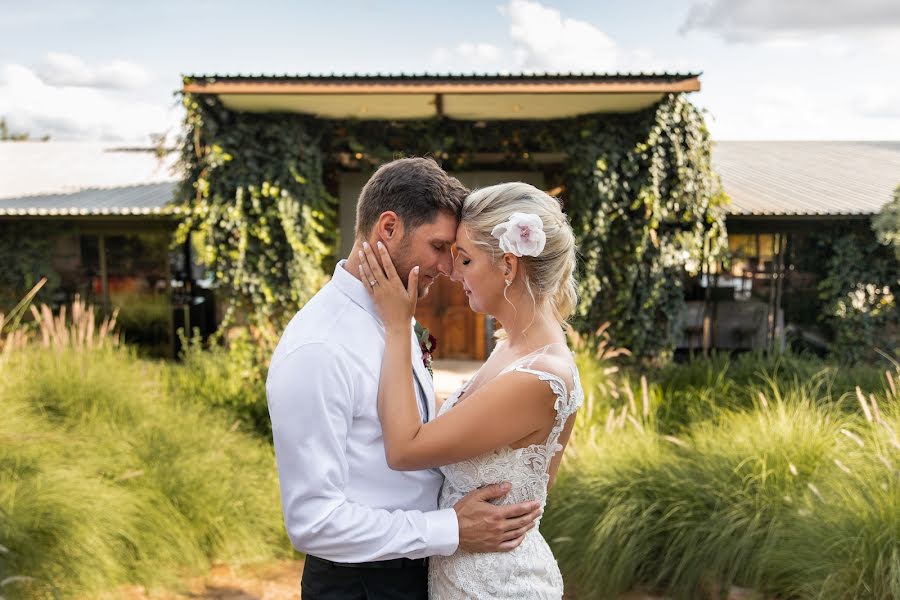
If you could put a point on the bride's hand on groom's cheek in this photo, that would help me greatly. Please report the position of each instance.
(395, 302)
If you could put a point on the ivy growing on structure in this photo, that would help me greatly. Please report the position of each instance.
(886, 223)
(646, 207)
(639, 190)
(859, 297)
(255, 201)
(28, 247)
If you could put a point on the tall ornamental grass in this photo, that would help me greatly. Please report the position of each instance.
(107, 477)
(785, 483)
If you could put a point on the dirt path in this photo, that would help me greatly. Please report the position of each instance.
(281, 581)
(269, 581)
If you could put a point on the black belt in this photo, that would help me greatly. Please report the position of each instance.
(394, 563)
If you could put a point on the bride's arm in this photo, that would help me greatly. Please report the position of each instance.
(503, 411)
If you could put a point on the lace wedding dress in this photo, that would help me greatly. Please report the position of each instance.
(529, 571)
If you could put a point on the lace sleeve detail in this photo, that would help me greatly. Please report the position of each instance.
(567, 402)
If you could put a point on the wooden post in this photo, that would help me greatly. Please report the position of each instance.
(775, 291)
(104, 277)
(171, 319)
(778, 334)
(707, 335)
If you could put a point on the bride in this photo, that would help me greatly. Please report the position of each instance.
(515, 257)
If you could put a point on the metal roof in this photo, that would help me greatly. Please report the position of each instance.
(434, 77)
(807, 178)
(763, 179)
(465, 97)
(141, 200)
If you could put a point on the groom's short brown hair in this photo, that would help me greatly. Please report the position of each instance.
(414, 188)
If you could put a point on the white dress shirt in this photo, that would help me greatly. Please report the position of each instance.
(340, 499)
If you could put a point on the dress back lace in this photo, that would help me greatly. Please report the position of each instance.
(529, 571)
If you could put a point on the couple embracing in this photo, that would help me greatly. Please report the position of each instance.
(388, 493)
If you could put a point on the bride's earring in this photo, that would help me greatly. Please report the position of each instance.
(508, 283)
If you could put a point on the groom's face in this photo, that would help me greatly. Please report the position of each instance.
(427, 246)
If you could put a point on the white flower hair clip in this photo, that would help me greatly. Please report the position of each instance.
(522, 235)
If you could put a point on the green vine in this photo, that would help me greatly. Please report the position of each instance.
(639, 190)
(28, 249)
(859, 295)
(646, 207)
(887, 224)
(254, 197)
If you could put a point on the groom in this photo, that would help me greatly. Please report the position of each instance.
(367, 530)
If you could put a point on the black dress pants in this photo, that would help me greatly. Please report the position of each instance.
(385, 580)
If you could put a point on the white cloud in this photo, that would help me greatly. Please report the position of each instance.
(753, 20)
(880, 101)
(69, 112)
(646, 60)
(785, 109)
(885, 44)
(541, 39)
(60, 69)
(469, 56)
(544, 40)
(479, 52)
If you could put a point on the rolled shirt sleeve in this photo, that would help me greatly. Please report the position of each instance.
(310, 397)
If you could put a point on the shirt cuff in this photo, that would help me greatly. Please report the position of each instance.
(443, 532)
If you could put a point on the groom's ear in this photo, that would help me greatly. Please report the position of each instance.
(389, 226)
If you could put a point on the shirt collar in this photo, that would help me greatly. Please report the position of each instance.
(354, 289)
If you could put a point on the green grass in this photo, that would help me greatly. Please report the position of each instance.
(774, 474)
(686, 393)
(765, 474)
(107, 477)
(230, 379)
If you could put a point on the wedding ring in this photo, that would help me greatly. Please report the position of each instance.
(373, 283)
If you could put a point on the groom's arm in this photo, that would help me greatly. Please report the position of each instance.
(310, 396)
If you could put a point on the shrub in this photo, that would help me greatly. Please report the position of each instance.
(107, 478)
(228, 376)
(761, 473)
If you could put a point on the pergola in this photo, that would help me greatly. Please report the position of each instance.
(360, 119)
(458, 97)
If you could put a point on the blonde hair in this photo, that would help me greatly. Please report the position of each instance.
(549, 276)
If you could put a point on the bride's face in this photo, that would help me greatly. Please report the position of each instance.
(481, 279)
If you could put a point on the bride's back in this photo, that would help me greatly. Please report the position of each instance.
(529, 571)
(526, 464)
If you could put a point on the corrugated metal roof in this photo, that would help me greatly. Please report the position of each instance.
(45, 168)
(432, 77)
(144, 199)
(807, 178)
(762, 178)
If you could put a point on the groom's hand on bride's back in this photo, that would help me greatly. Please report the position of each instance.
(484, 527)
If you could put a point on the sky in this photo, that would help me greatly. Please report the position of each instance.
(771, 69)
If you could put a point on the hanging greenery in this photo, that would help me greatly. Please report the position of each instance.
(28, 248)
(646, 207)
(254, 199)
(859, 297)
(638, 188)
(887, 224)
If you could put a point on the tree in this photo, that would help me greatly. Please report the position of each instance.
(23, 136)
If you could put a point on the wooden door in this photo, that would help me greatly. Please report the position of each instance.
(459, 331)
